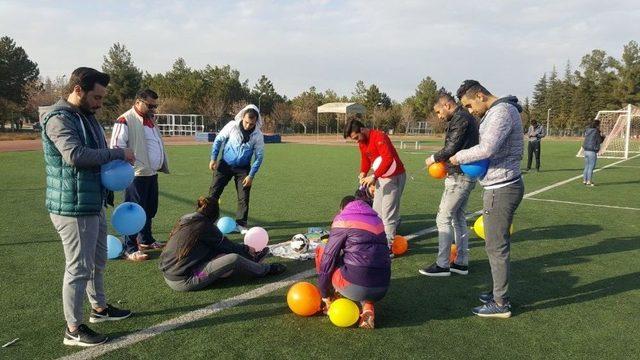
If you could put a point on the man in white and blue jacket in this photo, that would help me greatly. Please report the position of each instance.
(240, 140)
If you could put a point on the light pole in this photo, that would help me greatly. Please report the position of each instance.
(259, 99)
(548, 112)
(378, 105)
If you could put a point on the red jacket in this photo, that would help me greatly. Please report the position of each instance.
(379, 144)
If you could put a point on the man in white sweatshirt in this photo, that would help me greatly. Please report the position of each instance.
(137, 129)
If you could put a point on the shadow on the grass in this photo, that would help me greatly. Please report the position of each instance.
(565, 231)
(617, 183)
(534, 285)
(557, 287)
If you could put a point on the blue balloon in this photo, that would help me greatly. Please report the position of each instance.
(475, 169)
(114, 247)
(128, 218)
(226, 224)
(117, 175)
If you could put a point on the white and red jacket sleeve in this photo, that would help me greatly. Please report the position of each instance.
(120, 134)
(384, 146)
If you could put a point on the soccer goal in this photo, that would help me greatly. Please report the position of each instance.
(179, 124)
(621, 129)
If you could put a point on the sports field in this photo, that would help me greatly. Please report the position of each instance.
(575, 269)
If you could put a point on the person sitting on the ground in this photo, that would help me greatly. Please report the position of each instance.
(355, 262)
(197, 254)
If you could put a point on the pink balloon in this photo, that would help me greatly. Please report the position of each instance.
(257, 238)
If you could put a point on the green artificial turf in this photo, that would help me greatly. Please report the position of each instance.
(575, 269)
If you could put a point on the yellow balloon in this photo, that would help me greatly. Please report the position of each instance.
(343, 312)
(478, 227)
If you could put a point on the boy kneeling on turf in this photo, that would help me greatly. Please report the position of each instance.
(197, 254)
(355, 262)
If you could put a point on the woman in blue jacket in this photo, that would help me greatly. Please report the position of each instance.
(591, 146)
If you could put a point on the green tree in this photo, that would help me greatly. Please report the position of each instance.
(540, 104)
(627, 89)
(126, 78)
(304, 108)
(16, 72)
(265, 95)
(425, 97)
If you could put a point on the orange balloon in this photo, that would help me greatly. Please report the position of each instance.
(454, 253)
(438, 170)
(304, 299)
(399, 245)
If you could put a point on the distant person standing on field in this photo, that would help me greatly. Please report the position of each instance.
(591, 146)
(535, 134)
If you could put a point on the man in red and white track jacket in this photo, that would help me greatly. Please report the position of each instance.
(378, 154)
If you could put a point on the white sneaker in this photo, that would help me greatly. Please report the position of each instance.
(241, 229)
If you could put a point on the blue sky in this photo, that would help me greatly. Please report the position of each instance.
(506, 45)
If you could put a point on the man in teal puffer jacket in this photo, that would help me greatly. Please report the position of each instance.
(74, 149)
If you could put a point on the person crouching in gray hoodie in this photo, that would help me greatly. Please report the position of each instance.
(501, 142)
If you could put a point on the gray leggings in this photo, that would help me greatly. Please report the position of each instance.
(217, 268)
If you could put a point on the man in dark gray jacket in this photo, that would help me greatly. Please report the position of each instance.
(534, 135)
(74, 149)
(502, 143)
(462, 133)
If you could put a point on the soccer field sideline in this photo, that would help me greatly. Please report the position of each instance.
(214, 308)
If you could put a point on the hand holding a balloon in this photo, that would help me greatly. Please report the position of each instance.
(453, 160)
(326, 303)
(429, 161)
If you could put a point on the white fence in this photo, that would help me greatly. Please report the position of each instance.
(180, 124)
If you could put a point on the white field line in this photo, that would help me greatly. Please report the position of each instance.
(198, 314)
(585, 204)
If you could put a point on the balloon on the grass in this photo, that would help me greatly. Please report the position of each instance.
(438, 170)
(226, 225)
(378, 161)
(343, 312)
(478, 227)
(117, 175)
(114, 247)
(257, 238)
(128, 218)
(399, 246)
(476, 169)
(304, 299)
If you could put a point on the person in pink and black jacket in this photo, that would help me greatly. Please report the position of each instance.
(355, 261)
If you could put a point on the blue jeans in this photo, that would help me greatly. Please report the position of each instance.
(590, 158)
(451, 220)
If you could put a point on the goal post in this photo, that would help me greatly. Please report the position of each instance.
(621, 129)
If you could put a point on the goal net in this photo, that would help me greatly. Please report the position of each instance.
(621, 129)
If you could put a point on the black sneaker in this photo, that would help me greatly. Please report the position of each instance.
(491, 309)
(488, 297)
(83, 336)
(435, 270)
(111, 313)
(485, 297)
(276, 269)
(459, 269)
